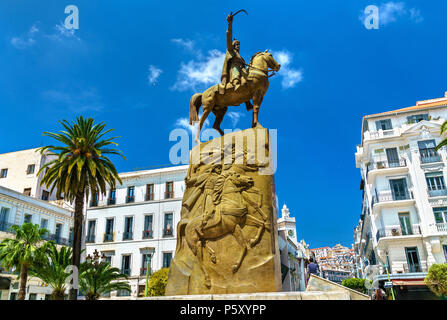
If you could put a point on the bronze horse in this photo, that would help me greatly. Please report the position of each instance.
(255, 89)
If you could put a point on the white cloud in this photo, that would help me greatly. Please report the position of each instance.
(205, 71)
(234, 116)
(390, 11)
(63, 33)
(187, 44)
(81, 101)
(154, 74)
(184, 123)
(290, 76)
(26, 40)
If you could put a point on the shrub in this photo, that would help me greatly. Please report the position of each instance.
(355, 284)
(157, 283)
(436, 279)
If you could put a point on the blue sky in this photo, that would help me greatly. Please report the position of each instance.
(129, 61)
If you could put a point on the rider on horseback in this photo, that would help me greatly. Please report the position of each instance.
(233, 71)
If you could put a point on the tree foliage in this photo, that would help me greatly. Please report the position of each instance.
(157, 282)
(355, 284)
(436, 279)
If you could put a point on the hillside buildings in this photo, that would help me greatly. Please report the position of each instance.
(403, 223)
(336, 263)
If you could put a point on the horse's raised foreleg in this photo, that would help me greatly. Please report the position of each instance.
(237, 233)
(199, 250)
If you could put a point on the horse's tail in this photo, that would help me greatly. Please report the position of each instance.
(180, 233)
(194, 105)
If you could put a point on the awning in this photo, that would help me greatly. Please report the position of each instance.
(409, 282)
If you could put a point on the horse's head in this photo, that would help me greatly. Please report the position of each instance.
(271, 62)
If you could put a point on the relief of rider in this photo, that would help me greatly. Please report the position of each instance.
(233, 70)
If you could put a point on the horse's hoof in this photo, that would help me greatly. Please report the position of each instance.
(208, 283)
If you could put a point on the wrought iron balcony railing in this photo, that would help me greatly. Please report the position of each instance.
(149, 197)
(437, 193)
(90, 238)
(387, 164)
(167, 232)
(130, 199)
(108, 237)
(111, 201)
(397, 231)
(429, 155)
(169, 194)
(441, 227)
(128, 235)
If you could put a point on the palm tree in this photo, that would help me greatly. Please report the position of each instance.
(98, 278)
(444, 141)
(53, 269)
(82, 167)
(23, 251)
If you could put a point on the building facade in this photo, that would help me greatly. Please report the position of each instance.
(403, 223)
(336, 263)
(16, 209)
(134, 226)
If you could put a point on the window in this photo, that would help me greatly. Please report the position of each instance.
(128, 222)
(168, 224)
(130, 194)
(399, 189)
(112, 197)
(4, 173)
(147, 232)
(108, 259)
(384, 124)
(123, 293)
(146, 260)
(70, 237)
(109, 230)
(45, 195)
(125, 266)
(30, 169)
(428, 152)
(169, 193)
(4, 213)
(94, 201)
(392, 157)
(412, 260)
(440, 214)
(32, 296)
(27, 191)
(405, 225)
(435, 184)
(44, 223)
(417, 118)
(149, 192)
(444, 247)
(167, 256)
(58, 232)
(13, 296)
(91, 231)
(28, 218)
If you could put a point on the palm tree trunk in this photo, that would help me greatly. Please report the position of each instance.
(23, 278)
(77, 239)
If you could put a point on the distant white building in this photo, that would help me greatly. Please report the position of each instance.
(17, 208)
(135, 225)
(403, 224)
(288, 223)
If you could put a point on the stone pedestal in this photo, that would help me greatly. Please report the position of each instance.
(227, 237)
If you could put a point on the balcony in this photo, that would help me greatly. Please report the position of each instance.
(130, 199)
(111, 201)
(147, 234)
(387, 164)
(167, 232)
(169, 194)
(414, 267)
(397, 231)
(126, 271)
(429, 155)
(57, 239)
(127, 236)
(93, 203)
(437, 193)
(149, 197)
(388, 195)
(380, 134)
(441, 227)
(108, 237)
(143, 272)
(90, 238)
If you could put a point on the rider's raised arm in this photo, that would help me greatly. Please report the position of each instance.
(230, 33)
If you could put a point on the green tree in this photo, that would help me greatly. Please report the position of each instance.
(23, 251)
(53, 269)
(98, 278)
(355, 284)
(157, 282)
(436, 279)
(444, 141)
(82, 167)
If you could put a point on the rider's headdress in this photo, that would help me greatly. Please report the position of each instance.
(235, 41)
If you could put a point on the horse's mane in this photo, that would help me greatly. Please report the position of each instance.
(254, 56)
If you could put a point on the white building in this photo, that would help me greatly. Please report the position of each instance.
(287, 223)
(404, 213)
(135, 225)
(17, 208)
(18, 171)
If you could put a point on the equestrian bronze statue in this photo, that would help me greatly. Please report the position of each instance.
(240, 82)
